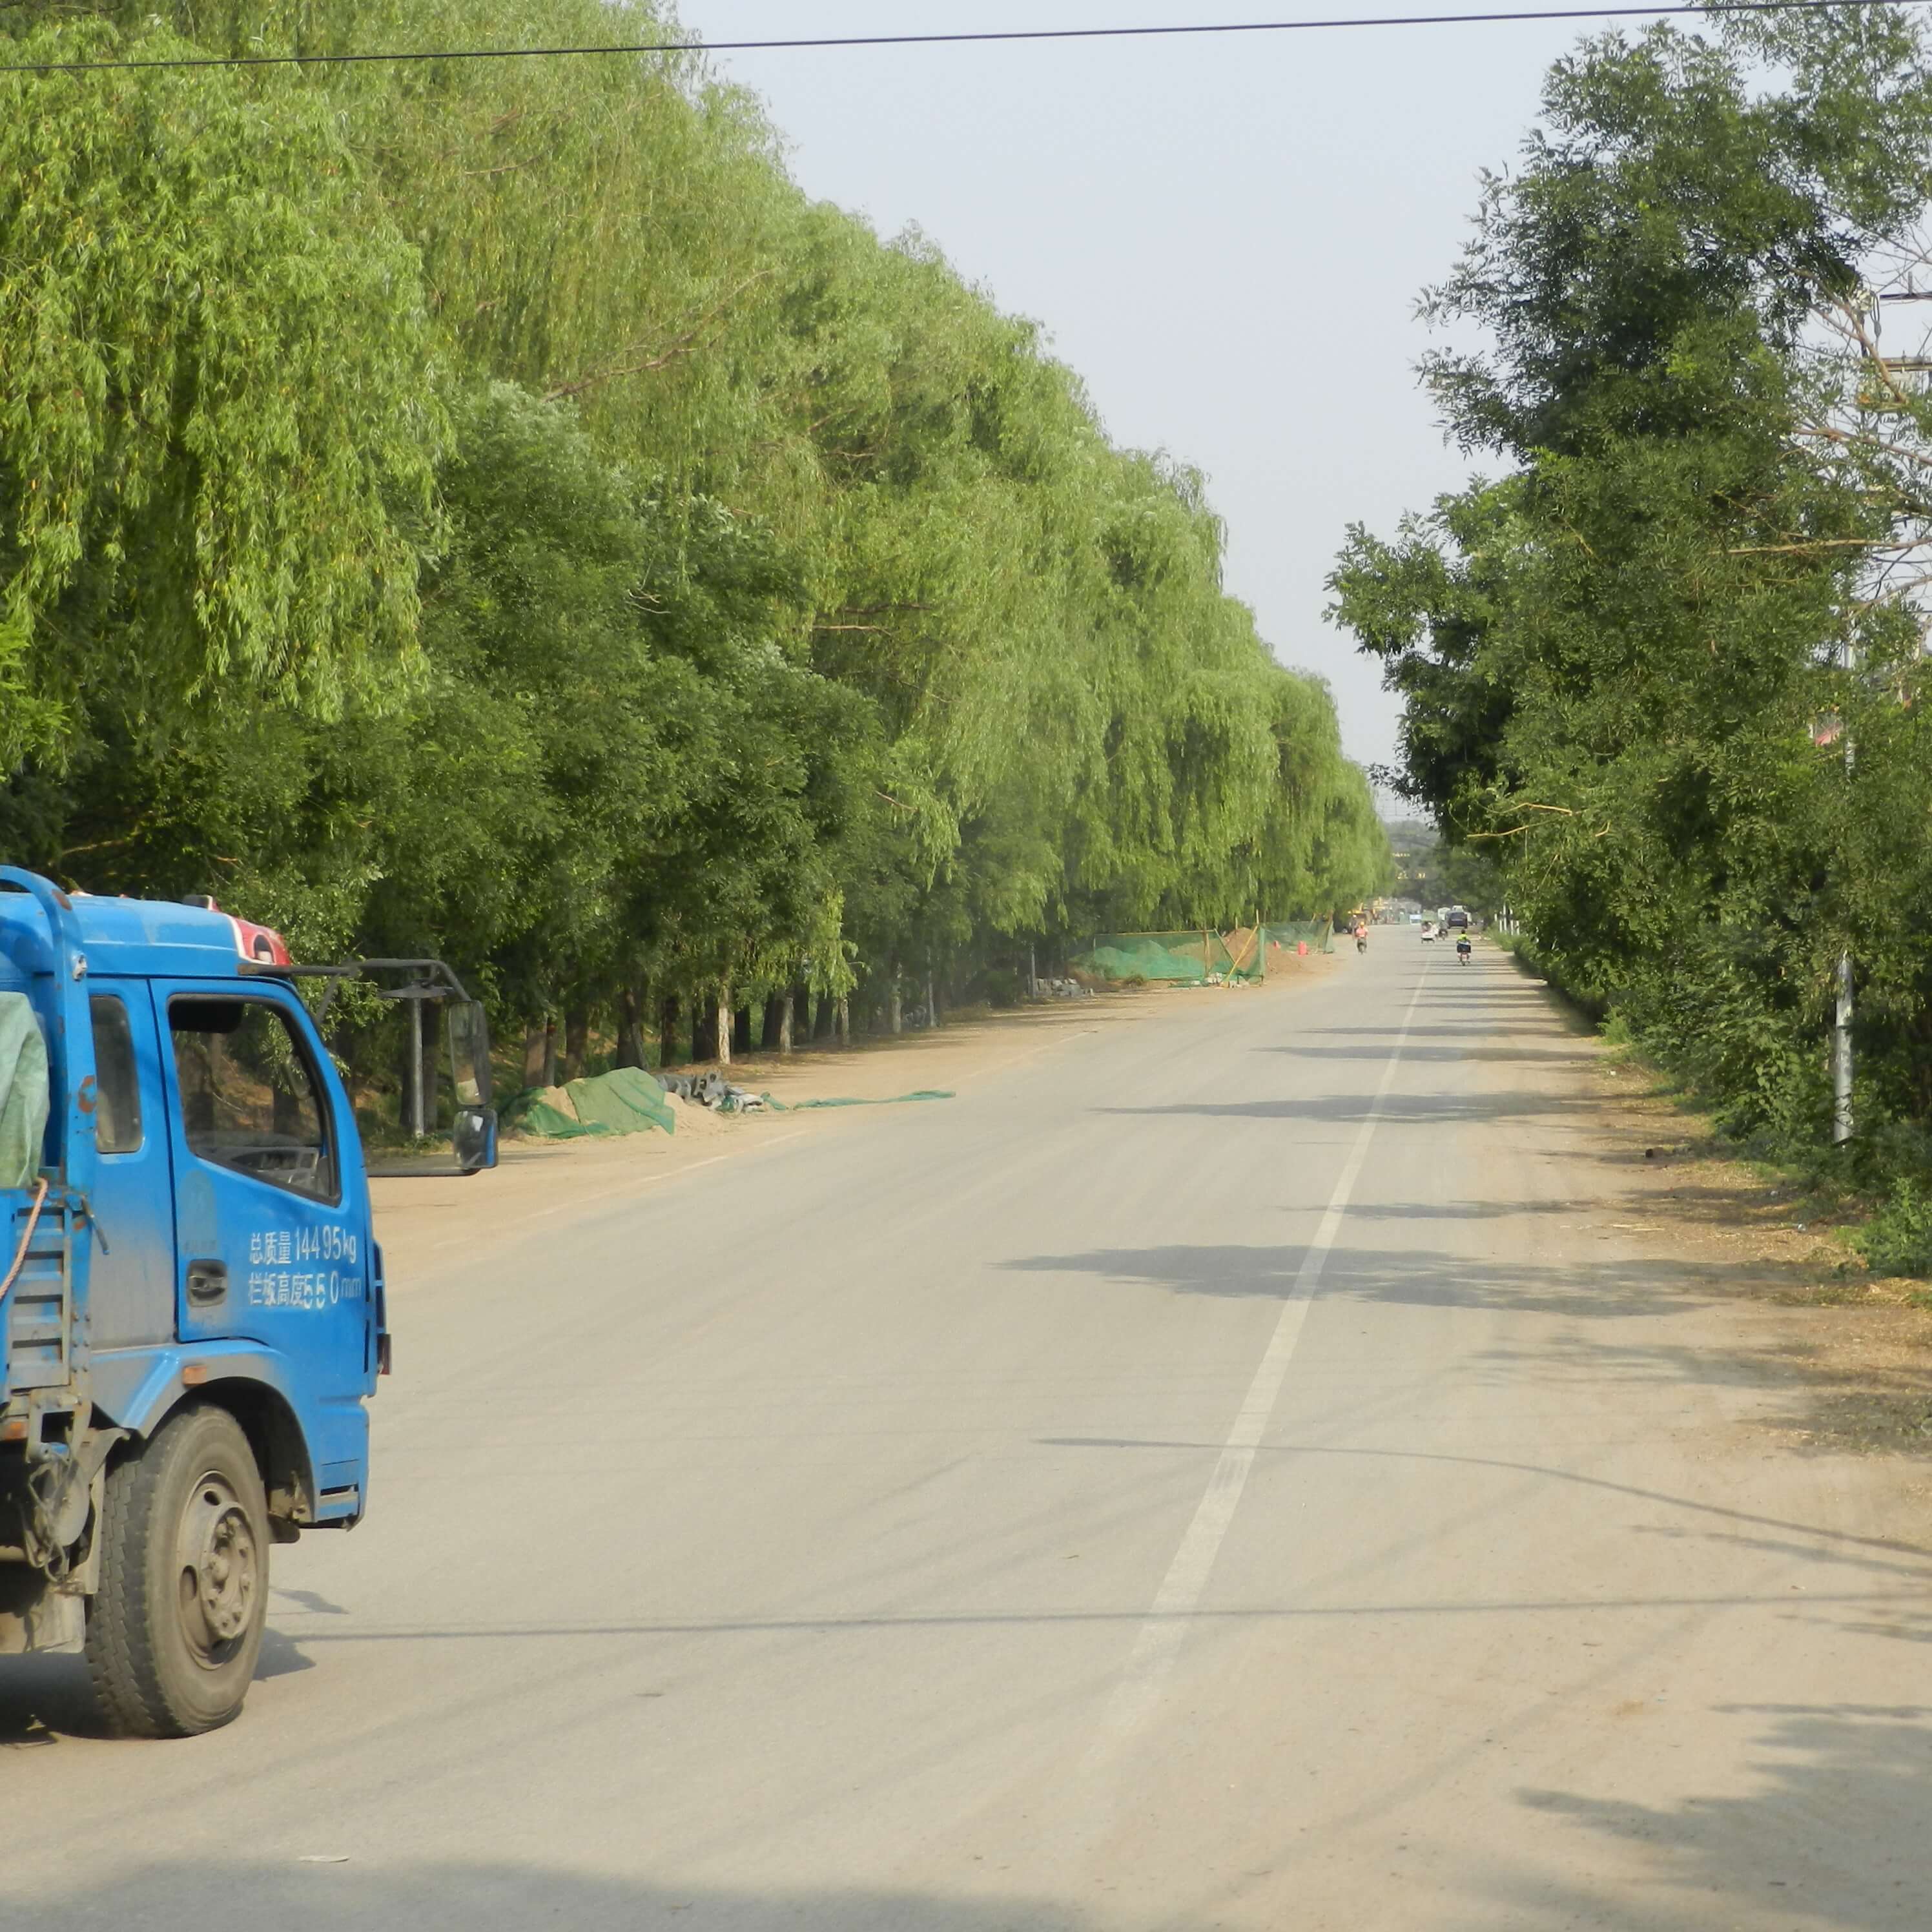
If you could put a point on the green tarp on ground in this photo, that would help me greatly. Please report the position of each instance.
(799, 1106)
(627, 1100)
(530, 1113)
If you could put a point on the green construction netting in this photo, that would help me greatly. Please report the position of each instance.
(1317, 934)
(1204, 958)
(626, 1101)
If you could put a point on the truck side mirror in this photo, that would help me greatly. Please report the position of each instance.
(474, 1139)
(467, 1033)
(441, 1091)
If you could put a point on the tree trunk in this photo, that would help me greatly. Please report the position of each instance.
(632, 1002)
(741, 1030)
(550, 1050)
(430, 1018)
(534, 1031)
(703, 1029)
(667, 1019)
(768, 1024)
(576, 1040)
(784, 1020)
(931, 998)
(895, 1007)
(822, 1020)
(723, 1025)
(844, 1021)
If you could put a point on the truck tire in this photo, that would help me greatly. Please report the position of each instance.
(175, 1629)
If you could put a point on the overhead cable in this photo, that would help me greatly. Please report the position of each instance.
(984, 36)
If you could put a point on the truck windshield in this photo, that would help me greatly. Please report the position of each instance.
(248, 1093)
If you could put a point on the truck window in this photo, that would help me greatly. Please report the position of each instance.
(250, 1098)
(117, 1117)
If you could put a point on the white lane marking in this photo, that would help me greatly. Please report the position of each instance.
(1159, 1643)
(1045, 1046)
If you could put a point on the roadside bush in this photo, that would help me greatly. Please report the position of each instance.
(999, 986)
(1897, 1239)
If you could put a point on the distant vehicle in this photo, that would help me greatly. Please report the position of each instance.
(1428, 932)
(1415, 919)
(1459, 918)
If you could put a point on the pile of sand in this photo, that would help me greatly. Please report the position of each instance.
(699, 1123)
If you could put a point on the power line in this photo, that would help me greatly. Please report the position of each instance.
(963, 39)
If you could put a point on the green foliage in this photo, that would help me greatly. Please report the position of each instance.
(1620, 660)
(486, 509)
(218, 440)
(1897, 1239)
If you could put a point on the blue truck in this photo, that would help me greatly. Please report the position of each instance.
(192, 1315)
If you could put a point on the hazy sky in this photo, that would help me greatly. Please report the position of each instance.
(1225, 236)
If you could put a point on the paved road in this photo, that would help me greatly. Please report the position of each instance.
(1222, 1472)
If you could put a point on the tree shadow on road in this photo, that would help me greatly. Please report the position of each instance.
(349, 1887)
(1478, 1030)
(1436, 1110)
(1457, 1210)
(1453, 1056)
(1832, 1836)
(1584, 1291)
(1820, 1397)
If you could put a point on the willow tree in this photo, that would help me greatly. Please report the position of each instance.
(663, 578)
(215, 434)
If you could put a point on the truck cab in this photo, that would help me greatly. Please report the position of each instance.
(192, 1313)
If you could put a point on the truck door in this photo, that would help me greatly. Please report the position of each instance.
(131, 1280)
(272, 1210)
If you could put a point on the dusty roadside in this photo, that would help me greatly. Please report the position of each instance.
(1859, 1347)
(422, 1224)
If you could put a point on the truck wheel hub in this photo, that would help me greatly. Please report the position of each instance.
(219, 1568)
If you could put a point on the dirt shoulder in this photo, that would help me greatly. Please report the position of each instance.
(422, 1225)
(1857, 1347)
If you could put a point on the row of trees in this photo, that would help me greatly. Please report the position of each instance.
(483, 508)
(1636, 659)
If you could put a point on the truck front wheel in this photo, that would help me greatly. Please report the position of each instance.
(175, 1629)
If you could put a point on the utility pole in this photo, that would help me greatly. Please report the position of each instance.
(1841, 1026)
(1842, 1066)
